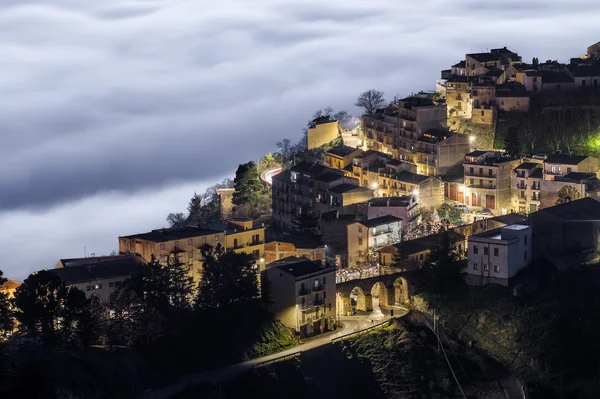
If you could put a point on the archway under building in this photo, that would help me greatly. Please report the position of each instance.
(400, 291)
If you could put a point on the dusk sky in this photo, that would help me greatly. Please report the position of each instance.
(112, 113)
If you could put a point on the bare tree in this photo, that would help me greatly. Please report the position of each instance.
(176, 220)
(567, 194)
(371, 101)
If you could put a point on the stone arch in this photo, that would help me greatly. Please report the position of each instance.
(401, 291)
(364, 301)
(342, 304)
(379, 290)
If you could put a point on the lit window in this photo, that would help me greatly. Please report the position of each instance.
(475, 249)
(496, 269)
(360, 241)
(162, 246)
(474, 266)
(486, 268)
(486, 250)
(191, 241)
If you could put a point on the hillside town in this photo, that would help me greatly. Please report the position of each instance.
(354, 216)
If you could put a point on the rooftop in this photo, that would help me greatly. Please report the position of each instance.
(484, 57)
(537, 174)
(411, 177)
(587, 71)
(163, 235)
(342, 150)
(576, 176)
(346, 188)
(476, 153)
(328, 177)
(585, 206)
(309, 167)
(297, 267)
(499, 233)
(528, 165)
(123, 267)
(410, 102)
(566, 159)
(284, 175)
(459, 65)
(301, 241)
(402, 201)
(380, 221)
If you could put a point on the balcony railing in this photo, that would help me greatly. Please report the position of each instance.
(479, 174)
(482, 186)
(522, 186)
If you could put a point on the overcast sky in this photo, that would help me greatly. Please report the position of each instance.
(113, 112)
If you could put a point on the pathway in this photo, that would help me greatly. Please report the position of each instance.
(351, 324)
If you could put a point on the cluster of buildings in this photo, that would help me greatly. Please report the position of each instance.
(482, 84)
(372, 201)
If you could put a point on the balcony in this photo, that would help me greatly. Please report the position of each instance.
(482, 186)
(522, 186)
(477, 173)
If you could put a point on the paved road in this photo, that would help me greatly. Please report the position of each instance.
(351, 324)
(267, 175)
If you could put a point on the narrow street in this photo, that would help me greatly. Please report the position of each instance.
(350, 324)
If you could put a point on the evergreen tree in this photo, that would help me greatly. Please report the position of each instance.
(227, 278)
(512, 142)
(181, 287)
(400, 259)
(307, 223)
(247, 184)
(39, 301)
(442, 268)
(6, 315)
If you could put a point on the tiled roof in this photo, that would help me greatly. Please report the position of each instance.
(346, 187)
(528, 165)
(124, 267)
(587, 206)
(459, 65)
(162, 235)
(410, 177)
(566, 159)
(484, 57)
(380, 221)
(342, 150)
(297, 267)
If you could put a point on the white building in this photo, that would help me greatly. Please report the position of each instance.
(370, 235)
(404, 207)
(302, 294)
(497, 255)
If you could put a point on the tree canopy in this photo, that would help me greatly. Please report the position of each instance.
(512, 142)
(370, 101)
(248, 186)
(227, 278)
(567, 194)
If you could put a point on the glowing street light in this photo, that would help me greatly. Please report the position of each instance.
(471, 139)
(415, 192)
(374, 185)
(461, 187)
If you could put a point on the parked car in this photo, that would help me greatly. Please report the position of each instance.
(484, 212)
(543, 157)
(462, 207)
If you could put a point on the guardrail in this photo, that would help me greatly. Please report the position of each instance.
(388, 321)
(277, 359)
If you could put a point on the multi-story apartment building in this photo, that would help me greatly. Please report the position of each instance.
(242, 235)
(182, 245)
(488, 178)
(302, 294)
(372, 234)
(414, 131)
(405, 207)
(560, 165)
(496, 256)
(98, 276)
(528, 178)
(313, 188)
(458, 97)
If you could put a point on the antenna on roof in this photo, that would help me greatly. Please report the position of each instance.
(84, 252)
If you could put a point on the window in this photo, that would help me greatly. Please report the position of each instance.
(490, 173)
(475, 249)
(360, 229)
(191, 241)
(495, 251)
(330, 306)
(472, 182)
(98, 287)
(471, 170)
(486, 250)
(525, 240)
(481, 182)
(324, 280)
(486, 268)
(316, 283)
(501, 102)
(235, 242)
(568, 170)
(162, 246)
(360, 241)
(474, 266)
(525, 256)
(482, 113)
(496, 269)
(324, 294)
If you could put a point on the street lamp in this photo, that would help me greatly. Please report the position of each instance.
(415, 192)
(374, 185)
(471, 139)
